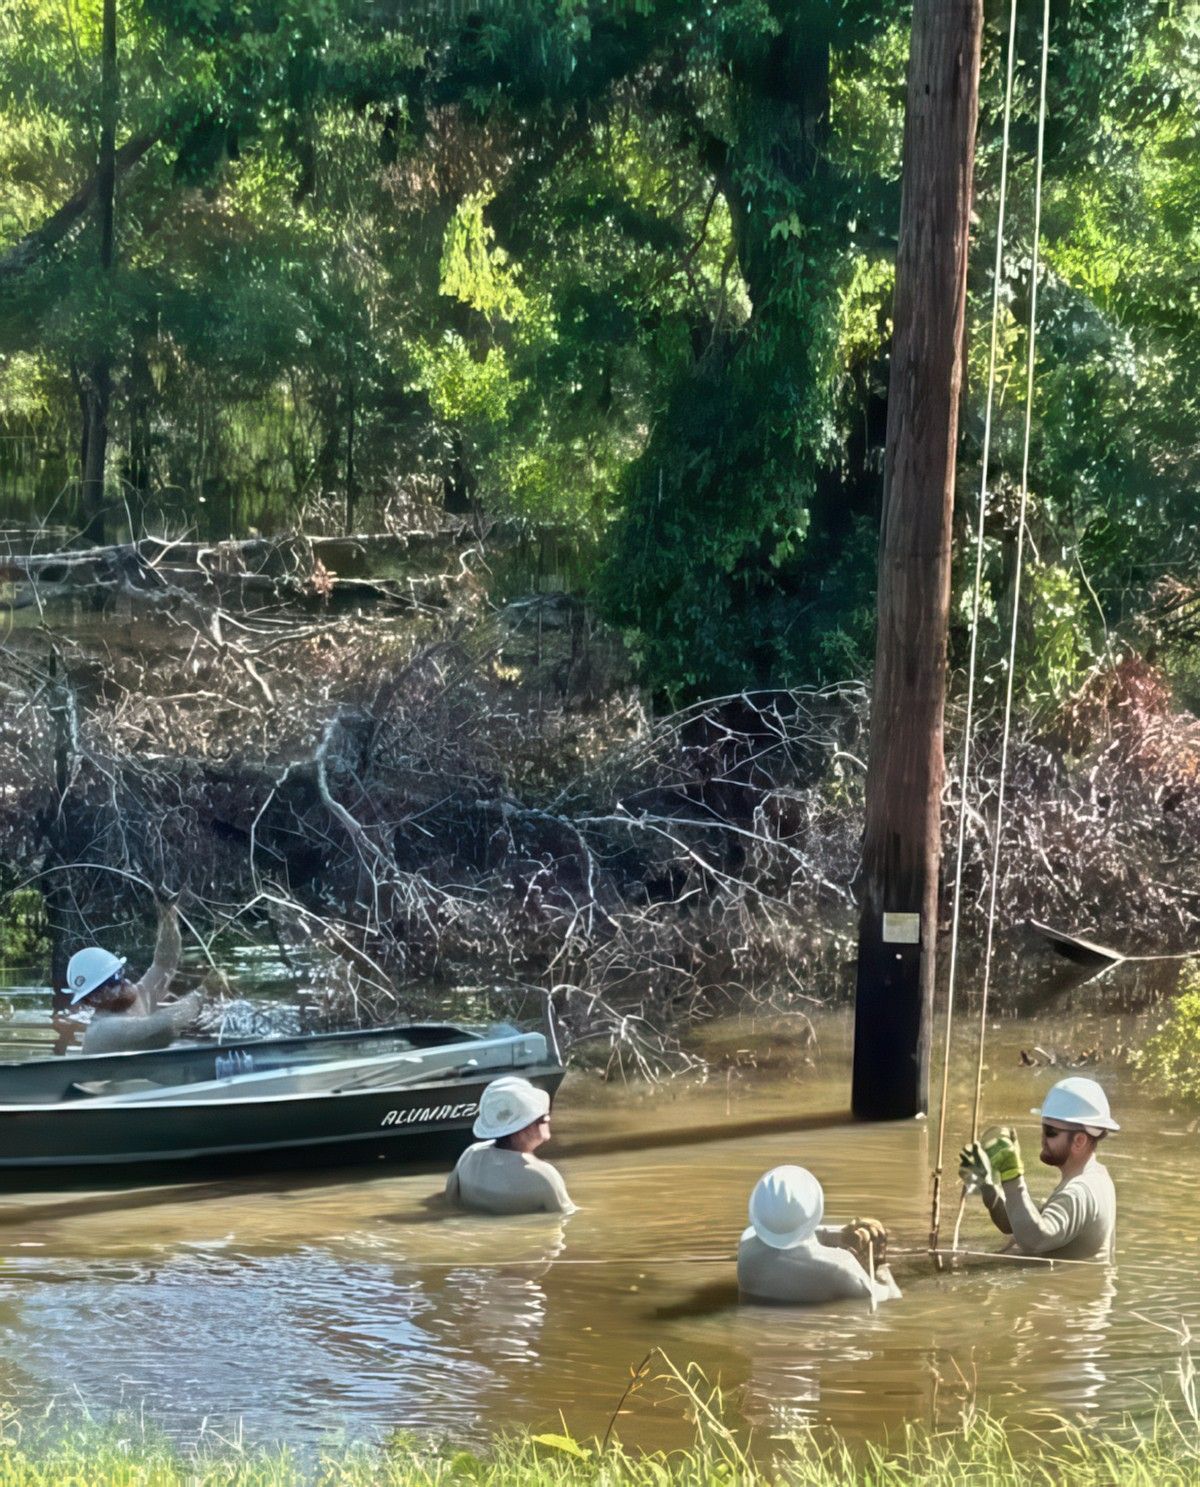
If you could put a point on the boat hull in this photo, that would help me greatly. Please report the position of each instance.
(86, 1146)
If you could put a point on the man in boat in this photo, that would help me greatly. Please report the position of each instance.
(788, 1256)
(500, 1173)
(1078, 1221)
(129, 1016)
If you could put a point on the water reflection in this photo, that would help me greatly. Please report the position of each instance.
(287, 1346)
(1077, 1314)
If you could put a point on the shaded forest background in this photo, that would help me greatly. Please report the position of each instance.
(620, 272)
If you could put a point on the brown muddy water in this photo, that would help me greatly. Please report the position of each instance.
(302, 1311)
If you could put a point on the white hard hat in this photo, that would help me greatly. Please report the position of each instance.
(1078, 1102)
(90, 968)
(786, 1206)
(507, 1105)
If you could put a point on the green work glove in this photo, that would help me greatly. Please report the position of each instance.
(1004, 1153)
(974, 1169)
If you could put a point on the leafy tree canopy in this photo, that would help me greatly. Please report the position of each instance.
(619, 270)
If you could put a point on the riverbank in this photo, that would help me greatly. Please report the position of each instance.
(982, 1451)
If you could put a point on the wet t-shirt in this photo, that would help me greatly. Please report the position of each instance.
(490, 1179)
(1078, 1221)
(807, 1273)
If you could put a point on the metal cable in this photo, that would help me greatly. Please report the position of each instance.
(972, 665)
(1030, 358)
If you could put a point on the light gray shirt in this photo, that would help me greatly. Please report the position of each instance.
(490, 1179)
(1078, 1221)
(126, 1032)
(808, 1273)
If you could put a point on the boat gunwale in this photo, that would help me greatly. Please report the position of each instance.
(179, 1051)
(114, 1102)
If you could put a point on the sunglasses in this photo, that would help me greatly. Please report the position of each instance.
(1050, 1132)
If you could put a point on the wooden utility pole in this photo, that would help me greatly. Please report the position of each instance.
(897, 944)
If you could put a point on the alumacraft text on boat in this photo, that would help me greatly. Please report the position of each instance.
(428, 1112)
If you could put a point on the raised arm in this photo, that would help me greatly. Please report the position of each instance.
(168, 948)
(975, 1167)
(1037, 1231)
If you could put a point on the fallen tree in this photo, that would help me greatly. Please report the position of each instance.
(422, 807)
(296, 572)
(451, 797)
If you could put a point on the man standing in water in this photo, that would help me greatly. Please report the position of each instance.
(1078, 1220)
(128, 1017)
(500, 1173)
(787, 1257)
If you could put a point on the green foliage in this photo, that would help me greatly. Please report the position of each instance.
(473, 269)
(24, 390)
(733, 517)
(623, 269)
(24, 937)
(1170, 1059)
(861, 336)
(1114, 457)
(463, 390)
(1058, 651)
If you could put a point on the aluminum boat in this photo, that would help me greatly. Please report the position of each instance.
(406, 1094)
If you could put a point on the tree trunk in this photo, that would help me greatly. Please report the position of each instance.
(350, 493)
(458, 481)
(59, 827)
(902, 840)
(97, 395)
(783, 108)
(34, 246)
(98, 381)
(139, 405)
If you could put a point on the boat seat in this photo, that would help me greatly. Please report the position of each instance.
(89, 1088)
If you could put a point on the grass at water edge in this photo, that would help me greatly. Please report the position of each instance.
(981, 1451)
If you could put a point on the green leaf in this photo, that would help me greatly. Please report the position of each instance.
(565, 1444)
